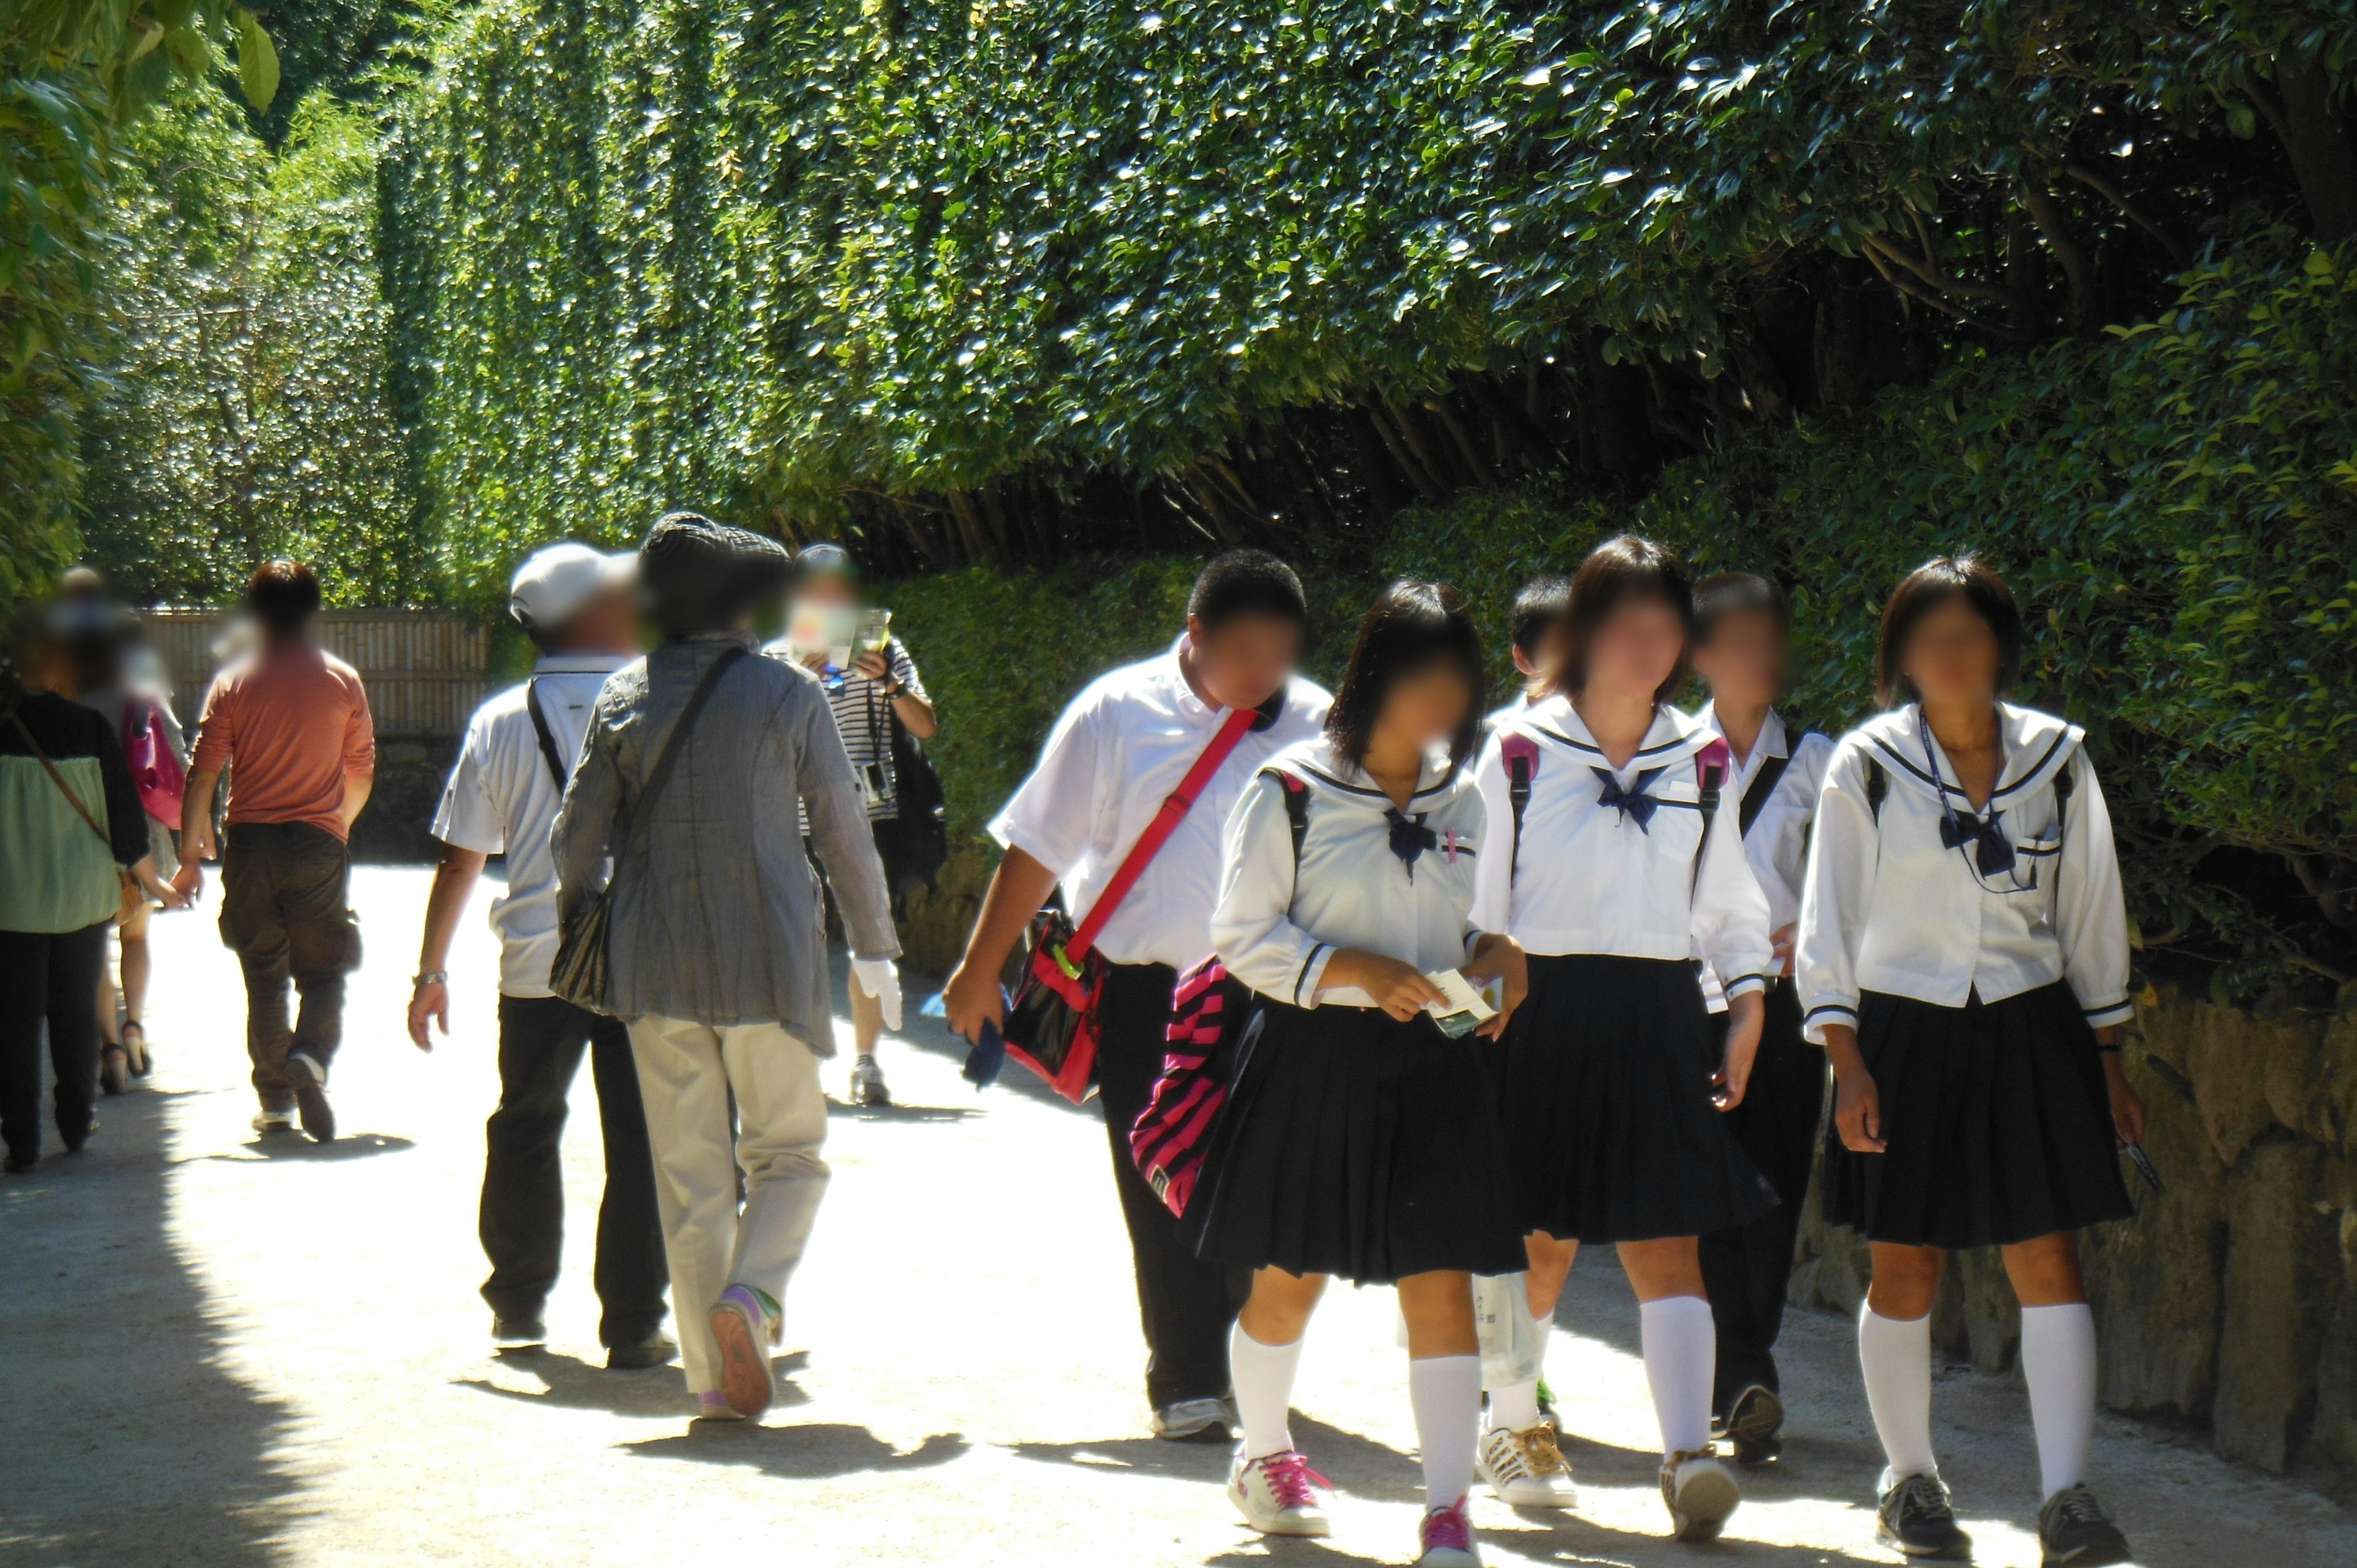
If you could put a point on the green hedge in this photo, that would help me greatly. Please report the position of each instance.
(2177, 506)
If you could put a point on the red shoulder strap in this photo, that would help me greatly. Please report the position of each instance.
(1158, 832)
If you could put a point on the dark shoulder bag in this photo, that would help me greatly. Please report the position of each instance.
(580, 973)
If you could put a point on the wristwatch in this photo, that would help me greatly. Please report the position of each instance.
(431, 977)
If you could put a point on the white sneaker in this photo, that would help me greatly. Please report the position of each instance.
(1277, 1494)
(273, 1122)
(1700, 1493)
(1525, 1469)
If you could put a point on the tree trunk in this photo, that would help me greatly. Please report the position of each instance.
(2317, 140)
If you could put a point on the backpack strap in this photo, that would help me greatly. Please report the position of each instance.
(1296, 811)
(1520, 755)
(1760, 790)
(539, 729)
(1877, 789)
(1711, 765)
(2063, 784)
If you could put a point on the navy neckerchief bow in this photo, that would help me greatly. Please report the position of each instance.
(1410, 838)
(1992, 850)
(1631, 803)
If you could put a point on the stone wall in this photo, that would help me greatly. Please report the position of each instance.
(2230, 1299)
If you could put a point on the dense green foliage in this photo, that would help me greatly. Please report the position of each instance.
(932, 270)
(71, 74)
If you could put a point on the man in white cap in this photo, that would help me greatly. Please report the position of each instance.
(578, 606)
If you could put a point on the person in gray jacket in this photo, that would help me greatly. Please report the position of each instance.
(716, 955)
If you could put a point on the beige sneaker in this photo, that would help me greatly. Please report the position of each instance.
(1526, 1469)
(1700, 1493)
(1278, 1494)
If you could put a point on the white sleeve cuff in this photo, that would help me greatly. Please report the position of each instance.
(1747, 985)
(1813, 1025)
(2118, 1012)
(1312, 977)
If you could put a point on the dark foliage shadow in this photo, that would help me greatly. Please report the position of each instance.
(812, 1453)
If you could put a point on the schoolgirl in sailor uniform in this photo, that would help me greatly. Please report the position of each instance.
(1612, 865)
(1963, 958)
(1358, 1139)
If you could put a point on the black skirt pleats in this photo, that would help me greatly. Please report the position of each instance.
(1610, 1124)
(1998, 1120)
(1357, 1145)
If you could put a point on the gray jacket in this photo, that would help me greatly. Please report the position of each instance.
(717, 918)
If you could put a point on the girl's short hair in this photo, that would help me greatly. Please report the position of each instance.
(1411, 627)
(1932, 584)
(1624, 567)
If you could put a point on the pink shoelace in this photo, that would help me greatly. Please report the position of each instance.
(1447, 1527)
(1290, 1478)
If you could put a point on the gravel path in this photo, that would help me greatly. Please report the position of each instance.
(217, 1351)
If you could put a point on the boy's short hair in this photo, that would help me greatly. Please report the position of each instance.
(1538, 605)
(283, 595)
(1246, 582)
(1737, 593)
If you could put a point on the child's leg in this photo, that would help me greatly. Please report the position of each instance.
(1681, 1348)
(1894, 1352)
(2058, 1355)
(1444, 1380)
(1265, 1350)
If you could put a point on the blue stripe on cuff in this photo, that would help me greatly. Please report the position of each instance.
(1745, 984)
(1833, 1008)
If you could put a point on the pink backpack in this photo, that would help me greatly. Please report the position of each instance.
(156, 767)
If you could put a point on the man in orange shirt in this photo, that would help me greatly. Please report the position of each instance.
(293, 721)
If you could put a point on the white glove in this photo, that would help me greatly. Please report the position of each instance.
(880, 978)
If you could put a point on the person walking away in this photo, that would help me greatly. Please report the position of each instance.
(71, 833)
(688, 777)
(102, 642)
(1963, 959)
(1743, 631)
(578, 606)
(1538, 605)
(1361, 1138)
(1621, 866)
(880, 687)
(1119, 750)
(293, 721)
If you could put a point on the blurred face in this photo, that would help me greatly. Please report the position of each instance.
(1952, 655)
(1243, 663)
(1423, 708)
(1743, 660)
(828, 588)
(1636, 648)
(606, 624)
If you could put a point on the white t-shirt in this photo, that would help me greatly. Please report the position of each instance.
(1118, 751)
(501, 797)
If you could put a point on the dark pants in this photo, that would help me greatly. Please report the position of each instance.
(1185, 1304)
(285, 912)
(52, 978)
(542, 1039)
(1745, 1268)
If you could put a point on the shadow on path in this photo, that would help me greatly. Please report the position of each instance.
(91, 1270)
(568, 1382)
(282, 1148)
(812, 1452)
(1357, 1465)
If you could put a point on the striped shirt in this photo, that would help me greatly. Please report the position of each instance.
(862, 714)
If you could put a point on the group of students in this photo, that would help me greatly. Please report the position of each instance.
(1686, 915)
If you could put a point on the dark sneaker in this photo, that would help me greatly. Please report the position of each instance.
(1916, 1520)
(1755, 1426)
(518, 1333)
(309, 1080)
(2072, 1528)
(867, 1083)
(654, 1350)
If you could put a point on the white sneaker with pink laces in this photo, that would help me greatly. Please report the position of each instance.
(1277, 1494)
(1446, 1538)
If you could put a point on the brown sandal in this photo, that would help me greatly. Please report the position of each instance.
(115, 1070)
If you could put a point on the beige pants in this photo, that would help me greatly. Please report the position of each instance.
(686, 1073)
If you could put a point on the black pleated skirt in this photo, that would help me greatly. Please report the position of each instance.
(1357, 1145)
(1610, 1124)
(1998, 1122)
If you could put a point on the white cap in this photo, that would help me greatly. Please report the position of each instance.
(553, 585)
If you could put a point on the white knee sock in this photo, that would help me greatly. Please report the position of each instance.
(1681, 1355)
(1895, 1354)
(2058, 1361)
(1447, 1393)
(1264, 1380)
(1515, 1406)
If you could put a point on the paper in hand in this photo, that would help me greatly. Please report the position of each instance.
(1464, 1008)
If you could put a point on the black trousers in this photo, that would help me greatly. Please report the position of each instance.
(287, 913)
(50, 978)
(1745, 1268)
(1185, 1304)
(522, 1220)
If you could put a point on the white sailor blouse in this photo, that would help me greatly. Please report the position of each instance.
(1608, 861)
(1370, 876)
(1927, 899)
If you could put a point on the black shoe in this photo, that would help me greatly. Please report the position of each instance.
(518, 1333)
(654, 1350)
(1755, 1426)
(1915, 1519)
(2073, 1529)
(309, 1080)
(19, 1164)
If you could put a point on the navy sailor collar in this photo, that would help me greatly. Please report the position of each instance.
(1316, 763)
(2036, 747)
(1673, 736)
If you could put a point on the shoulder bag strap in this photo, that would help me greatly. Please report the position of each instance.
(674, 743)
(1761, 789)
(1158, 831)
(539, 729)
(64, 788)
